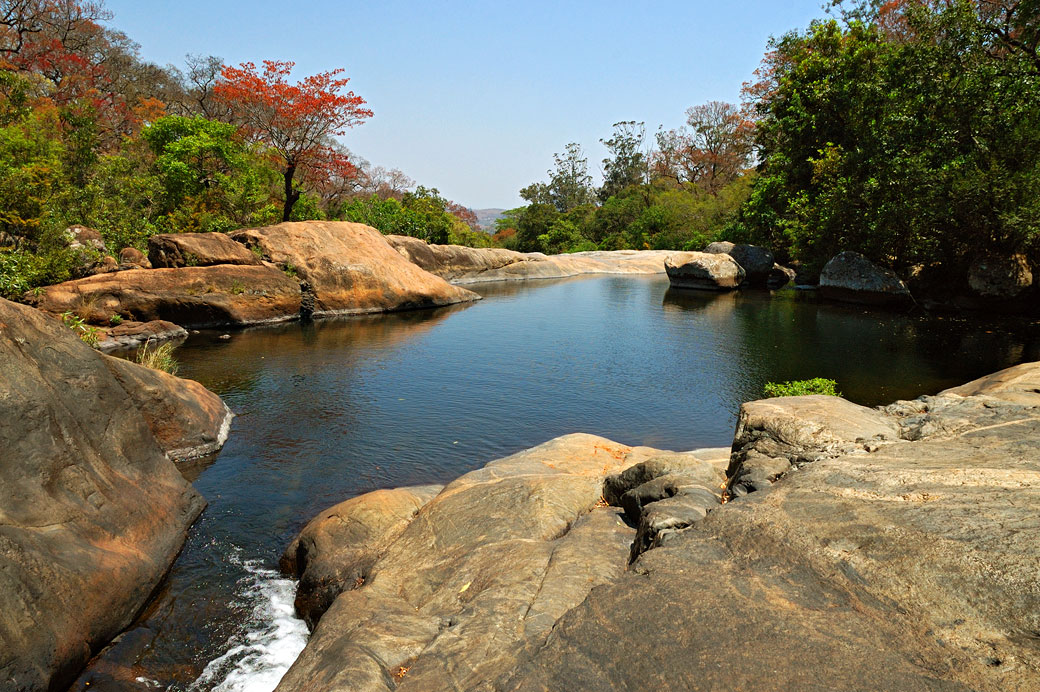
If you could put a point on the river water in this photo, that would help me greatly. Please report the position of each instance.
(328, 410)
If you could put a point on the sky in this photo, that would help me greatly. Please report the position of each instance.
(473, 98)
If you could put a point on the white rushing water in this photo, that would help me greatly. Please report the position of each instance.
(257, 659)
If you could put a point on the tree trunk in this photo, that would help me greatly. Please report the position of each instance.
(291, 195)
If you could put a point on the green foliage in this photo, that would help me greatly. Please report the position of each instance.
(90, 335)
(817, 385)
(419, 214)
(158, 357)
(920, 146)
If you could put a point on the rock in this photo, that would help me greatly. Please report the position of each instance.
(757, 262)
(191, 296)
(132, 258)
(774, 433)
(337, 549)
(911, 569)
(92, 512)
(465, 265)
(130, 334)
(1000, 276)
(852, 278)
(81, 237)
(197, 250)
(780, 276)
(485, 567)
(186, 419)
(702, 270)
(349, 268)
(1019, 385)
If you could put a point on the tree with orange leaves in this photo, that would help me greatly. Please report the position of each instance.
(296, 121)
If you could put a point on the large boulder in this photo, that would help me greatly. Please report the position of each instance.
(337, 549)
(852, 278)
(703, 270)
(481, 570)
(756, 261)
(349, 268)
(92, 510)
(912, 568)
(197, 250)
(191, 296)
(1000, 277)
(187, 420)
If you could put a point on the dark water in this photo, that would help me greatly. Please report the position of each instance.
(328, 410)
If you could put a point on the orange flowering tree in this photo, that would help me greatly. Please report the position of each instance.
(296, 121)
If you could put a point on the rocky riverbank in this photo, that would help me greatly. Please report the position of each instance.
(857, 549)
(93, 510)
(253, 276)
(466, 265)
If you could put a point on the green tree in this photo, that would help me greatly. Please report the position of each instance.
(627, 163)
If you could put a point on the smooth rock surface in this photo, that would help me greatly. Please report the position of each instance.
(186, 419)
(337, 549)
(190, 296)
(704, 271)
(349, 268)
(465, 265)
(1019, 385)
(92, 511)
(852, 278)
(173, 250)
(484, 568)
(910, 568)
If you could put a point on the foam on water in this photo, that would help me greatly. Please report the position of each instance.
(257, 658)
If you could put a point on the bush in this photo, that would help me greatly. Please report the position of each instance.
(818, 385)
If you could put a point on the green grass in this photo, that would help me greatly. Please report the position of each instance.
(818, 385)
(158, 358)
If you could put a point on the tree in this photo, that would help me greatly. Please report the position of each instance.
(916, 146)
(627, 163)
(711, 151)
(296, 121)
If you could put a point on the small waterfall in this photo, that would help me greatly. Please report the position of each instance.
(258, 657)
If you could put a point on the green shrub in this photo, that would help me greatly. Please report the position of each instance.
(817, 385)
(90, 335)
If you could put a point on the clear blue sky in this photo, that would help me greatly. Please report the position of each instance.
(474, 98)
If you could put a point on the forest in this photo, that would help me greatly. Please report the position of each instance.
(907, 130)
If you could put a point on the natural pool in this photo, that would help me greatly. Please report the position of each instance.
(329, 410)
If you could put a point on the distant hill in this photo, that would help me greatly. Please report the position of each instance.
(487, 217)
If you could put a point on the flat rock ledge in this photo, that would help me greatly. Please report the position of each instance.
(833, 547)
(465, 265)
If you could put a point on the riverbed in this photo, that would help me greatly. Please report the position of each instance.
(331, 409)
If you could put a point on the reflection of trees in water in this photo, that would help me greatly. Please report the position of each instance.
(230, 366)
(876, 356)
